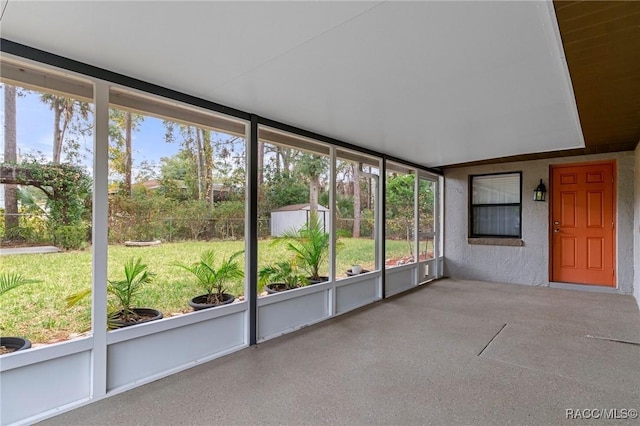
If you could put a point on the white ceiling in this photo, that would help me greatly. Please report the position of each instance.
(435, 83)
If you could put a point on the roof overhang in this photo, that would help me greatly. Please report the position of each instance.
(435, 83)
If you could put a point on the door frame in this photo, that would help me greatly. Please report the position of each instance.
(613, 162)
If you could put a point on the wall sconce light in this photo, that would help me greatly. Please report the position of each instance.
(540, 192)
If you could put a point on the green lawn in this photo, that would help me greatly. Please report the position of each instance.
(39, 312)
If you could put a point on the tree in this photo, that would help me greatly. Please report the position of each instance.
(400, 205)
(261, 150)
(10, 156)
(426, 205)
(146, 171)
(122, 124)
(356, 200)
(281, 157)
(198, 150)
(128, 160)
(65, 111)
(190, 157)
(204, 144)
(283, 190)
(178, 176)
(212, 156)
(311, 167)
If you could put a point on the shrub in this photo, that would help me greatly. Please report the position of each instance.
(197, 215)
(20, 233)
(39, 226)
(33, 228)
(139, 217)
(367, 223)
(68, 187)
(229, 220)
(70, 237)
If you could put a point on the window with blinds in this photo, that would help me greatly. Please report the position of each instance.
(495, 205)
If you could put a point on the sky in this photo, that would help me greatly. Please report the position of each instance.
(34, 134)
(34, 122)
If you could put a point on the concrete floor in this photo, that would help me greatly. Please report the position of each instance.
(413, 359)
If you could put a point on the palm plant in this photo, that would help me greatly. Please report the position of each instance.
(136, 276)
(124, 292)
(310, 244)
(11, 280)
(284, 272)
(214, 279)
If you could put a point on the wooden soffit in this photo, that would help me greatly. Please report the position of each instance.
(601, 41)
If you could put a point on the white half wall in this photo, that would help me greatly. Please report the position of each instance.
(529, 264)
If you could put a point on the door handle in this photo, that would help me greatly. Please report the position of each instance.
(556, 230)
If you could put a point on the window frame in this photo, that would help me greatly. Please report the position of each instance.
(471, 207)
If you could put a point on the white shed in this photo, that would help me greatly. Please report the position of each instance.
(295, 216)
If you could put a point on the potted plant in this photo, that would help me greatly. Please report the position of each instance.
(214, 279)
(310, 245)
(9, 281)
(281, 276)
(122, 311)
(356, 269)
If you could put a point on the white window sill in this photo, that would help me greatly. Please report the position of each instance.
(512, 242)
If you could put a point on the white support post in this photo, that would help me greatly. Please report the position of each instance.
(100, 238)
(332, 229)
(249, 279)
(438, 227)
(416, 228)
(379, 225)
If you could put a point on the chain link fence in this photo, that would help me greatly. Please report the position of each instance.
(34, 228)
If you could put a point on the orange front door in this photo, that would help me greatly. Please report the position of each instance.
(583, 224)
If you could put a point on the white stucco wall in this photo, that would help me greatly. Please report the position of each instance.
(636, 230)
(529, 264)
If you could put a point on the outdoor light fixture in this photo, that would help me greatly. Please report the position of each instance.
(539, 192)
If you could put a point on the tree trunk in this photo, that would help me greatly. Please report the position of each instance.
(277, 151)
(57, 106)
(370, 190)
(128, 160)
(314, 186)
(200, 165)
(356, 201)
(286, 159)
(10, 156)
(207, 151)
(260, 162)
